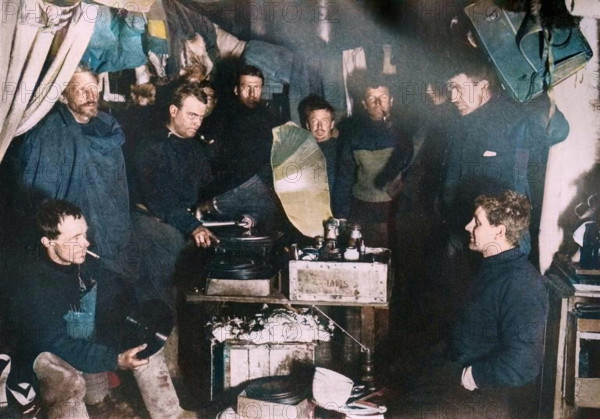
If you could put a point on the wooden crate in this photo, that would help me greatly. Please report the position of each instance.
(237, 362)
(587, 392)
(356, 282)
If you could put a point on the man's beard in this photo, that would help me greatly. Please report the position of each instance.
(251, 104)
(85, 110)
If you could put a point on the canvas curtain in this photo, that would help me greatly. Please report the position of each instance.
(30, 31)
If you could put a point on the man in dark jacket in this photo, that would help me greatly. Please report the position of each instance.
(68, 315)
(499, 337)
(53, 284)
(497, 144)
(244, 185)
(318, 116)
(248, 130)
(171, 169)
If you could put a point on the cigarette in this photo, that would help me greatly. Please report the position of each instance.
(92, 254)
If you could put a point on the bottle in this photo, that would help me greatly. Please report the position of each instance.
(368, 378)
(355, 240)
(319, 242)
(330, 241)
(591, 247)
(295, 253)
(331, 230)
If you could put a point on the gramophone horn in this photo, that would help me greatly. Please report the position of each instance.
(300, 178)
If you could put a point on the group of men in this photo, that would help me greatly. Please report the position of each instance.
(70, 173)
(182, 170)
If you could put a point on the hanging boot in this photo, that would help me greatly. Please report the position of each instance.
(229, 45)
(62, 387)
(157, 389)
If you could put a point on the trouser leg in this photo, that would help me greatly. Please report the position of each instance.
(254, 197)
(159, 245)
(62, 387)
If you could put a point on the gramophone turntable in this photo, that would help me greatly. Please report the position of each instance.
(242, 263)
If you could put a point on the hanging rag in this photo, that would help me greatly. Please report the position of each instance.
(116, 42)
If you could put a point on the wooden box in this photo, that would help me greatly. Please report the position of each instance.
(258, 409)
(587, 392)
(234, 363)
(357, 282)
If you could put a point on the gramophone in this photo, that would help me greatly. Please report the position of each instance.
(246, 261)
(243, 261)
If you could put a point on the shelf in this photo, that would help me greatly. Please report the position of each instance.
(276, 297)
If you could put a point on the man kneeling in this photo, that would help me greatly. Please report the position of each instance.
(68, 317)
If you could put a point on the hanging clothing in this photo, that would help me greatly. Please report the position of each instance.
(116, 42)
(184, 21)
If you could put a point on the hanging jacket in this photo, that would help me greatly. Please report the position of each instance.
(116, 43)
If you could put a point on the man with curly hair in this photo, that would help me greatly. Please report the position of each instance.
(499, 337)
(495, 350)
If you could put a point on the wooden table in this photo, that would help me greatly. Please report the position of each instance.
(561, 390)
(374, 316)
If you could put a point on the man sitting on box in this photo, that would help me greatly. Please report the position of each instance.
(499, 337)
(497, 344)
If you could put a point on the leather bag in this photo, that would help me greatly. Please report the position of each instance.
(529, 58)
